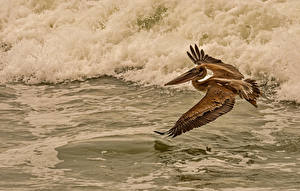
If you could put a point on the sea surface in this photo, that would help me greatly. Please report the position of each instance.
(81, 92)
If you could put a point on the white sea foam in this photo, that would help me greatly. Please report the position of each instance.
(145, 40)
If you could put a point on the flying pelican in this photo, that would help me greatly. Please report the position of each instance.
(222, 82)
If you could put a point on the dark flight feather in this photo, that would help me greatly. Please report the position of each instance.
(217, 101)
(255, 92)
(200, 57)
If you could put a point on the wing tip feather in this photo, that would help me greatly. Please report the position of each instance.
(199, 57)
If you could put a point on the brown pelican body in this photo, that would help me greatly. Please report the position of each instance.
(222, 82)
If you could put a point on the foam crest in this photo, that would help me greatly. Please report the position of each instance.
(145, 41)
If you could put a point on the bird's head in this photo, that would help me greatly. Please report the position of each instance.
(195, 73)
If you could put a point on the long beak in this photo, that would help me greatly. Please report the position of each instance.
(189, 75)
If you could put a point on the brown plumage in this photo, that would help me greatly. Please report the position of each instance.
(221, 88)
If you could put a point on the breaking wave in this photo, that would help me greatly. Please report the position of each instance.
(53, 41)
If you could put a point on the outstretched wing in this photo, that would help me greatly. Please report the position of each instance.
(222, 70)
(219, 68)
(217, 101)
(199, 57)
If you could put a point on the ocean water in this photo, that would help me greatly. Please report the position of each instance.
(81, 92)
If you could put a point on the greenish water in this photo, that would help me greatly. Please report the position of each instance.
(98, 135)
(64, 126)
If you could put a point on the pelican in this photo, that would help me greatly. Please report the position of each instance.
(221, 82)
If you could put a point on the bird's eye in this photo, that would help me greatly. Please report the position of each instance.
(197, 71)
(201, 70)
(194, 70)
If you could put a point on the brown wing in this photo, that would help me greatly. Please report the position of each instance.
(217, 101)
(199, 57)
(222, 70)
(219, 68)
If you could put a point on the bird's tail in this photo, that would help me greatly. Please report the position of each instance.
(250, 91)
